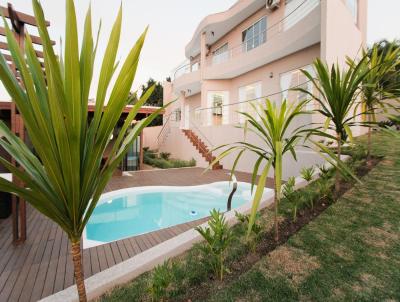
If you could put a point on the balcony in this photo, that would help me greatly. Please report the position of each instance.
(187, 78)
(299, 29)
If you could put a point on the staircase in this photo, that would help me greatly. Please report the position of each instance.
(202, 148)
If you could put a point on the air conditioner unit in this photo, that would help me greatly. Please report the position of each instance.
(273, 4)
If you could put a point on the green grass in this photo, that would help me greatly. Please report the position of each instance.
(351, 252)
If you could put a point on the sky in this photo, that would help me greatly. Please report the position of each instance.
(172, 24)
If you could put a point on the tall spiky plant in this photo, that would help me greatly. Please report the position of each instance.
(272, 125)
(63, 174)
(375, 90)
(336, 94)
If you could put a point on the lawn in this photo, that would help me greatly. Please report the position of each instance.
(350, 252)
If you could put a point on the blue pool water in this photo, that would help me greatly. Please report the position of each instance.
(135, 211)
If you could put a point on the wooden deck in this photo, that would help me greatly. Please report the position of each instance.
(42, 265)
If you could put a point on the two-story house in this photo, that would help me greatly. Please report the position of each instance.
(252, 51)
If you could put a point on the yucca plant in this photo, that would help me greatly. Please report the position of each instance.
(218, 236)
(271, 123)
(63, 174)
(374, 93)
(291, 195)
(307, 173)
(336, 93)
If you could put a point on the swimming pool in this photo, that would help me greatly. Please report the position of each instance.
(134, 211)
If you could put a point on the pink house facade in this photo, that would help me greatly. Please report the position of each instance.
(250, 52)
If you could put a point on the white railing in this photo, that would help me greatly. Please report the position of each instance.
(292, 17)
(185, 68)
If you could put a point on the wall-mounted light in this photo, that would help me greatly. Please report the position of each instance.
(271, 75)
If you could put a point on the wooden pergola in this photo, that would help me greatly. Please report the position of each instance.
(20, 24)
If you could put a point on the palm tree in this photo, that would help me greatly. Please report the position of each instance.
(63, 174)
(272, 127)
(391, 80)
(336, 94)
(375, 90)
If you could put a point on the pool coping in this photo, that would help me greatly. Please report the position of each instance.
(131, 268)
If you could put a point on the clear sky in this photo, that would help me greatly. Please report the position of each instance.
(172, 24)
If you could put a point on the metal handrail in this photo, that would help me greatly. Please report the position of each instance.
(203, 136)
(163, 130)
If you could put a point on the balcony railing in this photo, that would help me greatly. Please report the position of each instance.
(292, 16)
(185, 68)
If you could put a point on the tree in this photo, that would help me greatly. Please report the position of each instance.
(391, 80)
(63, 174)
(273, 131)
(337, 92)
(156, 98)
(376, 89)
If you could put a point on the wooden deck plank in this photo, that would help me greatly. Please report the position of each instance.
(87, 266)
(116, 253)
(43, 267)
(102, 257)
(61, 265)
(94, 260)
(51, 273)
(34, 266)
(122, 250)
(23, 271)
(109, 255)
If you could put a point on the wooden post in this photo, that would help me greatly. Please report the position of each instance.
(17, 127)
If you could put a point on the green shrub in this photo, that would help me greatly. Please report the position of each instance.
(150, 158)
(160, 281)
(324, 172)
(165, 155)
(308, 173)
(325, 189)
(255, 229)
(218, 237)
(291, 195)
(308, 196)
(357, 152)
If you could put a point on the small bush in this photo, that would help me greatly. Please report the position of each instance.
(308, 173)
(160, 281)
(218, 236)
(163, 162)
(255, 230)
(325, 189)
(291, 195)
(324, 172)
(165, 155)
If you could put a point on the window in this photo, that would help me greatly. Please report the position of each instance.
(218, 112)
(353, 7)
(217, 104)
(296, 79)
(249, 95)
(221, 54)
(255, 35)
